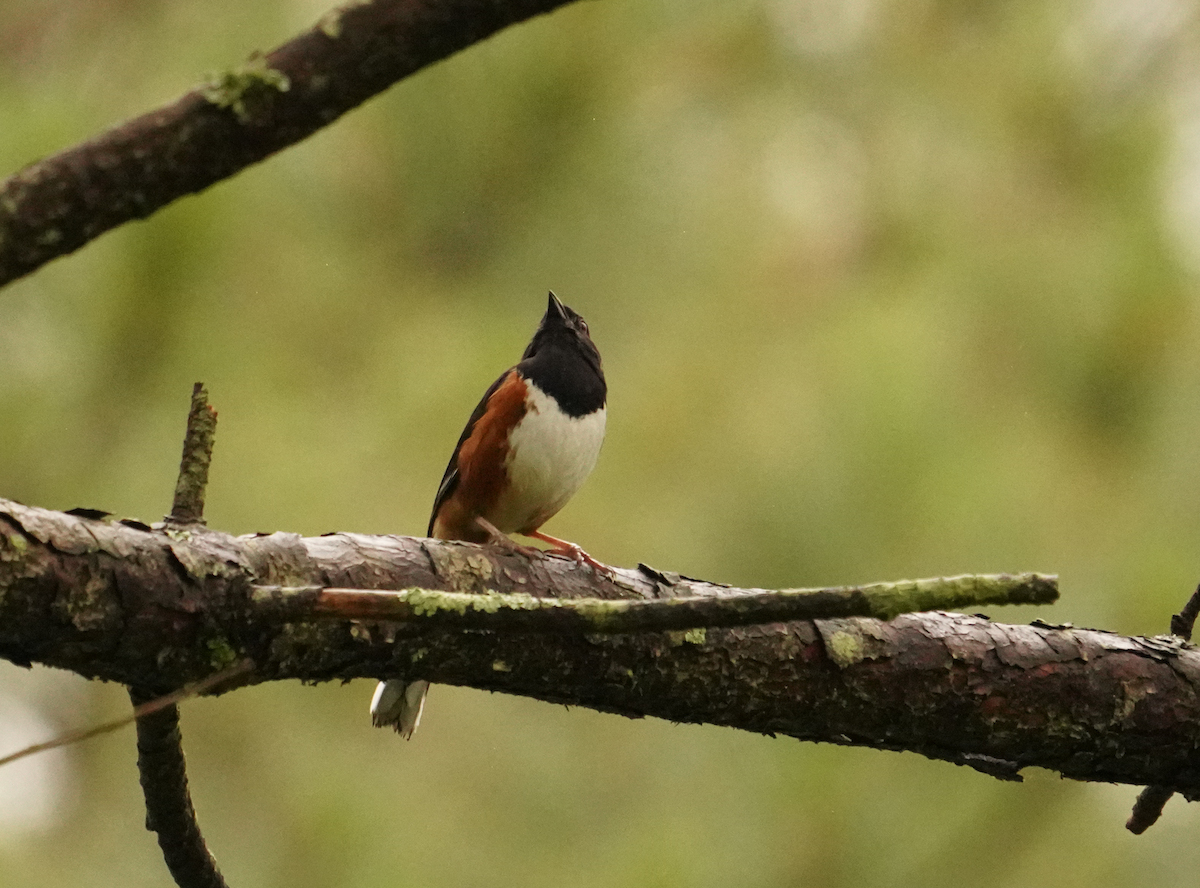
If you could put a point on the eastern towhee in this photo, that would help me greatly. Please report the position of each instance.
(526, 449)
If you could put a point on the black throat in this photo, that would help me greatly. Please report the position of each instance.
(566, 372)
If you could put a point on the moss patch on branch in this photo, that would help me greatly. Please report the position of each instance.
(246, 90)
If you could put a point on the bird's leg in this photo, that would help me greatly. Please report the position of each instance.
(501, 540)
(563, 547)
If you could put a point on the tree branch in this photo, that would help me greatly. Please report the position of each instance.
(188, 504)
(162, 769)
(121, 601)
(56, 205)
(1150, 802)
(519, 612)
(169, 812)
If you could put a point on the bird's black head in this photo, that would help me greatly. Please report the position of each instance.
(561, 327)
(564, 362)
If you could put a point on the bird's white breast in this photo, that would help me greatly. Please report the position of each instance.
(550, 455)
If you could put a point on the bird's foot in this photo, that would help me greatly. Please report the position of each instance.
(564, 547)
(501, 540)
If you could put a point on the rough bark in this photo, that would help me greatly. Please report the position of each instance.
(1151, 800)
(154, 609)
(56, 205)
(169, 813)
(187, 507)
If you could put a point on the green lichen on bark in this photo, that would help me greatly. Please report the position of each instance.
(91, 606)
(428, 602)
(679, 637)
(845, 648)
(297, 644)
(330, 24)
(13, 546)
(888, 600)
(247, 89)
(484, 608)
(463, 568)
(221, 654)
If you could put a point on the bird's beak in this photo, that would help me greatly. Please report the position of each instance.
(555, 307)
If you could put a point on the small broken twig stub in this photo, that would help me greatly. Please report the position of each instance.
(1148, 808)
(188, 504)
(1183, 622)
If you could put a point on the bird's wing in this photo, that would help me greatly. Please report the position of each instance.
(450, 478)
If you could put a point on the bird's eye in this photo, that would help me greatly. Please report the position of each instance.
(583, 326)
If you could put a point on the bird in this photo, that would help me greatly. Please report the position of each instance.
(528, 447)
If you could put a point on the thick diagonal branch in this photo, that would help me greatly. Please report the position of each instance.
(130, 604)
(58, 204)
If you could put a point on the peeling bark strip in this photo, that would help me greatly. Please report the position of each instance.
(148, 608)
(56, 205)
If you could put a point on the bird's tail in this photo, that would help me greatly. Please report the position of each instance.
(399, 704)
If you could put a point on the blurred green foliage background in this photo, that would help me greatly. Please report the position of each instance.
(885, 288)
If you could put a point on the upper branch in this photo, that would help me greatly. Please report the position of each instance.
(157, 608)
(58, 204)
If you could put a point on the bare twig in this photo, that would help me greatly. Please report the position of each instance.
(56, 205)
(149, 707)
(518, 612)
(1183, 622)
(188, 505)
(1148, 808)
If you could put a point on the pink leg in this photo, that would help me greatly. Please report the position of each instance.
(562, 547)
(502, 540)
